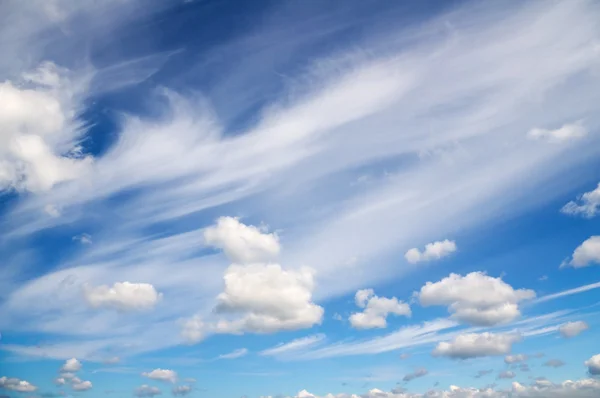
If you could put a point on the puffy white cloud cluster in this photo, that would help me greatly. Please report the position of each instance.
(584, 388)
(18, 385)
(586, 254)
(67, 375)
(593, 365)
(82, 385)
(476, 298)
(122, 296)
(572, 329)
(258, 297)
(473, 345)
(587, 205)
(433, 251)
(376, 310)
(161, 375)
(71, 365)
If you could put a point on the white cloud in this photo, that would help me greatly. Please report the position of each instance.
(59, 381)
(416, 374)
(587, 205)
(147, 391)
(294, 345)
(52, 210)
(193, 329)
(123, 296)
(71, 365)
(269, 298)
(586, 254)
(182, 390)
(242, 243)
(162, 375)
(568, 292)
(84, 239)
(593, 365)
(510, 359)
(235, 354)
(475, 345)
(554, 363)
(565, 133)
(476, 298)
(14, 384)
(433, 251)
(506, 374)
(82, 386)
(572, 329)
(376, 310)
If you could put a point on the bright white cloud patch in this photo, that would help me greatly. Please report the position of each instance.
(475, 345)
(17, 385)
(82, 386)
(147, 391)
(433, 251)
(593, 365)
(235, 354)
(476, 298)
(376, 310)
(242, 243)
(71, 365)
(587, 205)
(269, 298)
(294, 345)
(565, 133)
(572, 329)
(123, 296)
(510, 359)
(586, 254)
(162, 375)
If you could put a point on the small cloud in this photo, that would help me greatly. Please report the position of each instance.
(337, 317)
(587, 205)
(416, 374)
(404, 355)
(586, 254)
(71, 365)
(52, 210)
(507, 374)
(433, 251)
(543, 278)
(147, 391)
(565, 133)
(162, 375)
(84, 239)
(554, 363)
(572, 329)
(234, 354)
(181, 390)
(376, 310)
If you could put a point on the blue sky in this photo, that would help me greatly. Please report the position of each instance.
(299, 199)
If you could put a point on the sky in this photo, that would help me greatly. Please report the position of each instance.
(299, 199)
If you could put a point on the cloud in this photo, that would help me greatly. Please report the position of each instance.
(510, 359)
(71, 365)
(269, 298)
(554, 363)
(484, 372)
(294, 345)
(586, 254)
(123, 296)
(14, 384)
(593, 365)
(193, 329)
(416, 374)
(476, 345)
(82, 386)
(84, 239)
(565, 133)
(111, 360)
(586, 205)
(162, 375)
(242, 243)
(572, 329)
(376, 310)
(507, 374)
(59, 381)
(181, 390)
(568, 292)
(433, 251)
(147, 391)
(235, 354)
(476, 298)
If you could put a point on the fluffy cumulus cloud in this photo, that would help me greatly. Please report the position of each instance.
(586, 254)
(415, 375)
(587, 205)
(476, 298)
(71, 365)
(433, 251)
(518, 358)
(242, 243)
(593, 365)
(584, 388)
(182, 390)
(269, 299)
(376, 310)
(565, 133)
(17, 385)
(82, 385)
(122, 296)
(473, 345)
(162, 375)
(38, 132)
(572, 329)
(147, 391)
